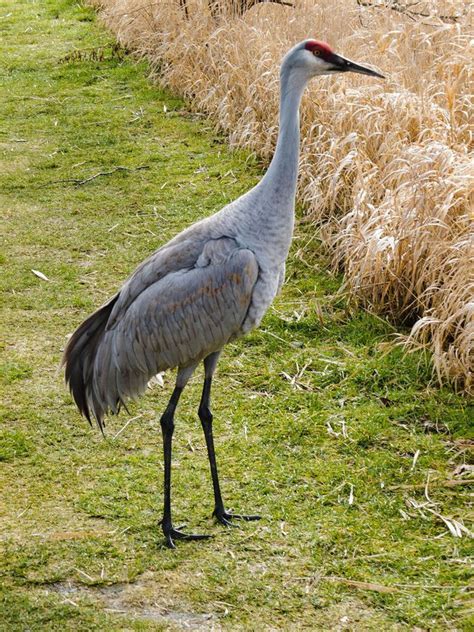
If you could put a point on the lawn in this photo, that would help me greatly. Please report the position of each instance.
(354, 458)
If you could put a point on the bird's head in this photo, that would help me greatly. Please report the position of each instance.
(314, 58)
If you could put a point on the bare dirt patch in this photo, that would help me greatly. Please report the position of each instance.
(137, 601)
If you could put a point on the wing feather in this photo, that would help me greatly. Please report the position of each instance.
(176, 319)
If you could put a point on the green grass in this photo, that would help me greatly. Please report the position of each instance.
(318, 402)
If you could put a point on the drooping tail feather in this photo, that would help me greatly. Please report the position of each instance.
(78, 358)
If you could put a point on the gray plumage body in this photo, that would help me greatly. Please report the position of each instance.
(209, 285)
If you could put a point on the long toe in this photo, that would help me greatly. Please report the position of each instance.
(169, 542)
(248, 518)
(175, 534)
(179, 535)
(226, 517)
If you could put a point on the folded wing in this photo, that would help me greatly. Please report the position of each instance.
(173, 320)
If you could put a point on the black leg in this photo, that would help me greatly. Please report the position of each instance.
(205, 415)
(167, 429)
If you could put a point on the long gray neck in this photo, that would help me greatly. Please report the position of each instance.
(280, 180)
(263, 218)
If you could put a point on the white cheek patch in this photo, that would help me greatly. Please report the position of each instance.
(320, 66)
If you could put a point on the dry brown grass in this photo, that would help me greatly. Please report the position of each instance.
(386, 169)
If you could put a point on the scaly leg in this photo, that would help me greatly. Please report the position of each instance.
(205, 415)
(167, 428)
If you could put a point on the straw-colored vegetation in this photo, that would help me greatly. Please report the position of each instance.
(386, 171)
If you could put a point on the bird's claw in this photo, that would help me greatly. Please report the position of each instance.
(225, 521)
(172, 534)
(226, 517)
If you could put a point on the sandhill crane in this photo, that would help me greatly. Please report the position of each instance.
(209, 285)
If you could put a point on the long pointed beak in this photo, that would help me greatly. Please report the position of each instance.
(340, 64)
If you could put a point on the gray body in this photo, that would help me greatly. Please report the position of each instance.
(211, 284)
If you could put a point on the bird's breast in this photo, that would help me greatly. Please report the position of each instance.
(264, 292)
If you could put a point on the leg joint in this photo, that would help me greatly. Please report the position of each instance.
(205, 414)
(167, 422)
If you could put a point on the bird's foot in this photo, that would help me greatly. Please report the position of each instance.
(226, 517)
(171, 534)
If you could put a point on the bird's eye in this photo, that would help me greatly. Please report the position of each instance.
(317, 52)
